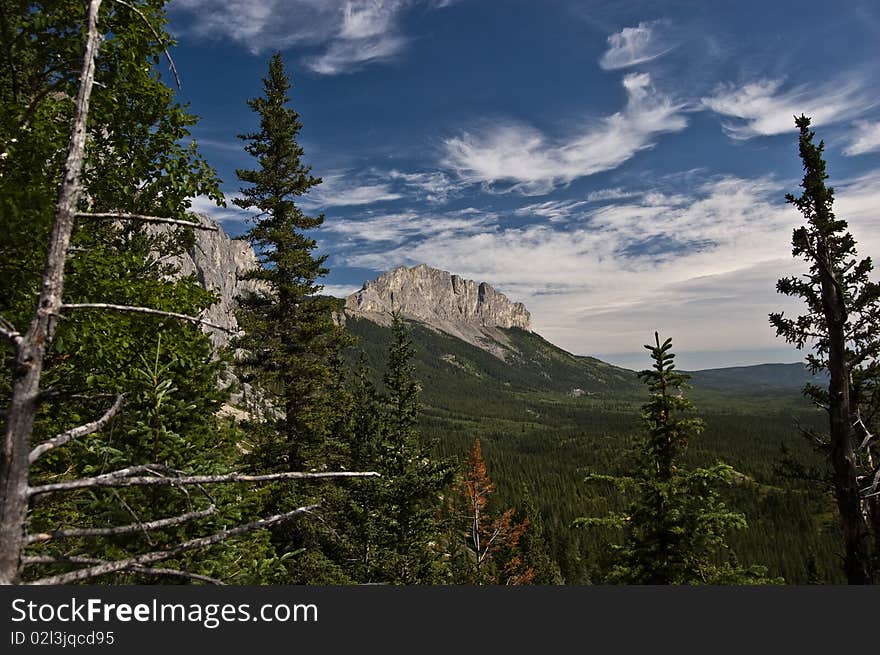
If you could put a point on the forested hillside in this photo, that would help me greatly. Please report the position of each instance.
(539, 434)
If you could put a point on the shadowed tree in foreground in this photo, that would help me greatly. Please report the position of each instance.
(675, 530)
(94, 182)
(842, 327)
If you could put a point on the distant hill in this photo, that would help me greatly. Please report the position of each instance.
(454, 371)
(755, 379)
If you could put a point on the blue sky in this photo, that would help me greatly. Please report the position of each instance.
(619, 167)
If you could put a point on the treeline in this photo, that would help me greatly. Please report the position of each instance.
(123, 461)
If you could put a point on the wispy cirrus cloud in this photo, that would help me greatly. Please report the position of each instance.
(357, 188)
(380, 230)
(529, 162)
(552, 210)
(435, 187)
(605, 281)
(635, 45)
(347, 34)
(864, 139)
(765, 107)
(346, 190)
(369, 32)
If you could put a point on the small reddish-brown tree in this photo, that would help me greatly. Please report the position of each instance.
(491, 543)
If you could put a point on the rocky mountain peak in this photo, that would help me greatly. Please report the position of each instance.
(472, 311)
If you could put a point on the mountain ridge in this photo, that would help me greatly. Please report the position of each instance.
(475, 312)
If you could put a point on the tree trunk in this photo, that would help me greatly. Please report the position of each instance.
(14, 465)
(843, 460)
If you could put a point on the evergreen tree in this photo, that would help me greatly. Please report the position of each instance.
(360, 513)
(290, 339)
(290, 347)
(412, 481)
(675, 530)
(534, 546)
(841, 327)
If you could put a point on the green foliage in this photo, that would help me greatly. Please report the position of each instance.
(290, 344)
(826, 235)
(391, 525)
(538, 434)
(534, 546)
(138, 160)
(675, 529)
(290, 339)
(840, 327)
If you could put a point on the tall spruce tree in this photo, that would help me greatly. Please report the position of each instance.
(290, 338)
(842, 328)
(675, 530)
(412, 480)
(290, 343)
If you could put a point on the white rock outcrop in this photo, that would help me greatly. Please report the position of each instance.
(219, 262)
(472, 311)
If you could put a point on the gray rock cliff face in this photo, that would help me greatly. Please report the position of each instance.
(465, 309)
(472, 311)
(219, 262)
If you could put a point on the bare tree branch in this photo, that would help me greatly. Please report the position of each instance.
(146, 219)
(875, 482)
(8, 331)
(121, 529)
(868, 436)
(143, 310)
(176, 573)
(158, 38)
(28, 367)
(11, 335)
(135, 568)
(159, 555)
(75, 433)
(129, 477)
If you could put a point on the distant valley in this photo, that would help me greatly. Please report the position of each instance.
(547, 417)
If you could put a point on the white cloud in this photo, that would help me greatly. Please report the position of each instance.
(532, 164)
(369, 33)
(865, 138)
(572, 209)
(350, 188)
(701, 269)
(399, 227)
(601, 195)
(856, 201)
(345, 190)
(339, 290)
(553, 210)
(436, 186)
(230, 216)
(763, 108)
(634, 45)
(350, 34)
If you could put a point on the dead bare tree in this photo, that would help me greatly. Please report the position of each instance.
(30, 350)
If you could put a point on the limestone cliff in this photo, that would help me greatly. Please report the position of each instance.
(219, 262)
(465, 309)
